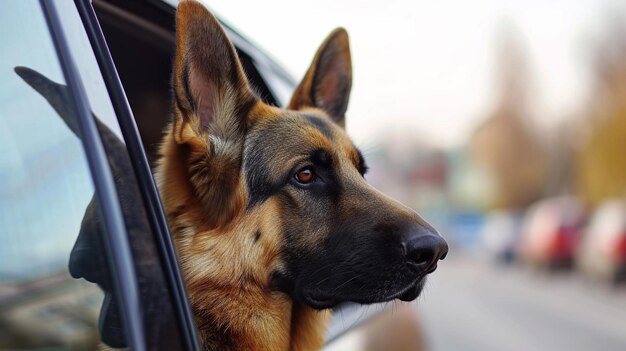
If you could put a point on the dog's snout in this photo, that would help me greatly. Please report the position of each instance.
(423, 249)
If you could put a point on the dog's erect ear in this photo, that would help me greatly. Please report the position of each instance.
(211, 91)
(326, 85)
(212, 99)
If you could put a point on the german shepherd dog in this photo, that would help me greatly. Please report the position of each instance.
(270, 213)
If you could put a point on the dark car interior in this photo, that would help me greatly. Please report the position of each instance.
(142, 49)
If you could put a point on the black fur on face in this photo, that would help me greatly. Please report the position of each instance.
(361, 256)
(343, 240)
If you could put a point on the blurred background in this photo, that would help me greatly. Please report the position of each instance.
(504, 124)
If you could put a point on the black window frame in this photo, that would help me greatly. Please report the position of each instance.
(117, 248)
(116, 243)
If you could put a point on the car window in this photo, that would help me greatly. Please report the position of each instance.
(161, 324)
(51, 228)
(45, 191)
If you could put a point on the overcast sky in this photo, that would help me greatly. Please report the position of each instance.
(427, 66)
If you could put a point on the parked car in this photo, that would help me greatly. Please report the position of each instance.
(551, 232)
(602, 253)
(64, 63)
(501, 233)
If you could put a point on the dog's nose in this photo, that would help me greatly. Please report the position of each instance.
(423, 248)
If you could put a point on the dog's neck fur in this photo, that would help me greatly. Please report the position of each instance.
(227, 276)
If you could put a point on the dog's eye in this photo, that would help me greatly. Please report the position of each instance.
(305, 176)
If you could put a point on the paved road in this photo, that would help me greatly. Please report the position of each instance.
(470, 304)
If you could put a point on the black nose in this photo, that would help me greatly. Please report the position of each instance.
(423, 248)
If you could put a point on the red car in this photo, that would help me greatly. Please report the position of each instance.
(551, 232)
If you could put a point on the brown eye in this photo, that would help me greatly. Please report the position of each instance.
(305, 176)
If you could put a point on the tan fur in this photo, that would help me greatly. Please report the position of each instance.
(227, 273)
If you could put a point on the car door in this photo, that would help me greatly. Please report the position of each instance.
(77, 199)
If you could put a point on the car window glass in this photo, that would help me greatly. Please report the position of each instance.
(160, 319)
(45, 191)
(87, 67)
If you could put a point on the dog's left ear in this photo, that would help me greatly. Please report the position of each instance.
(326, 85)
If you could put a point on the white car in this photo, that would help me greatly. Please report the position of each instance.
(602, 253)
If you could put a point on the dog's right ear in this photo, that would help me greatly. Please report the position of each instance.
(211, 92)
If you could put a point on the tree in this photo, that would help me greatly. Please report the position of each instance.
(505, 145)
(601, 161)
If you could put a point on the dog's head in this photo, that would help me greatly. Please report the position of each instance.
(339, 238)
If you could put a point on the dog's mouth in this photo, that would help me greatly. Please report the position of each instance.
(321, 303)
(408, 293)
(413, 291)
